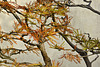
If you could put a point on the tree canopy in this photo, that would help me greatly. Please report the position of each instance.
(45, 22)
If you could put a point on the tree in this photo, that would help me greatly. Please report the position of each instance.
(44, 22)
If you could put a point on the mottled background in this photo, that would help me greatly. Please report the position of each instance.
(83, 19)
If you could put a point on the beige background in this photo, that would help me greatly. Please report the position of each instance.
(83, 19)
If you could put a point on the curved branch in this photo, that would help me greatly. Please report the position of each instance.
(5, 56)
(85, 6)
(17, 18)
(79, 51)
(89, 2)
(95, 58)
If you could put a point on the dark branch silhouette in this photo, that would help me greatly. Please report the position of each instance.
(88, 2)
(85, 6)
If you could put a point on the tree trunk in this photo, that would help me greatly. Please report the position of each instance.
(46, 59)
(87, 62)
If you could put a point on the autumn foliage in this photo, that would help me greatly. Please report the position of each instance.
(42, 22)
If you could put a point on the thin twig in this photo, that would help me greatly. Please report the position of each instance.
(85, 6)
(5, 57)
(95, 59)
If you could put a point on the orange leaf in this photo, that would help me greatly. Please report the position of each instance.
(14, 41)
(0, 28)
(1, 40)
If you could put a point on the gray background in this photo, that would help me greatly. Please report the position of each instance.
(83, 19)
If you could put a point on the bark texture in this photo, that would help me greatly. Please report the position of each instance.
(46, 59)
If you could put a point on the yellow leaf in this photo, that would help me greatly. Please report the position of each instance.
(54, 37)
(0, 35)
(51, 40)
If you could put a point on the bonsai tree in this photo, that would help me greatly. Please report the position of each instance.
(42, 23)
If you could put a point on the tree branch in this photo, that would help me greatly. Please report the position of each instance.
(79, 51)
(5, 57)
(95, 59)
(5, 0)
(84, 6)
(89, 2)
(46, 59)
(17, 18)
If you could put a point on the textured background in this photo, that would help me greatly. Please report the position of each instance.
(83, 19)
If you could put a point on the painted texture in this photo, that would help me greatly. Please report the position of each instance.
(83, 19)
